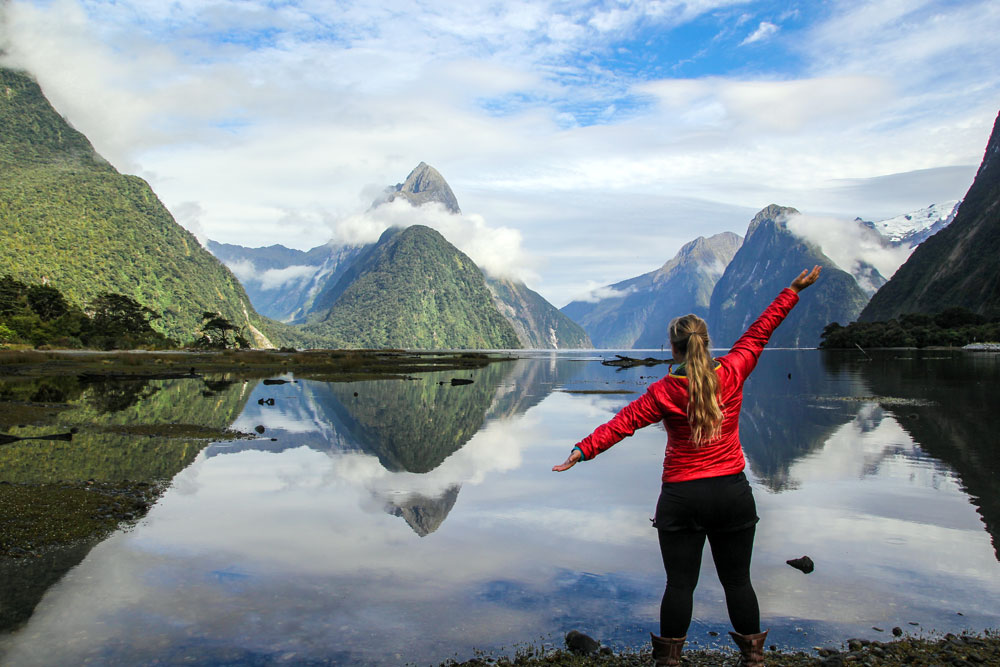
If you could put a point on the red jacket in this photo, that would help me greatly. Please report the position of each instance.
(666, 400)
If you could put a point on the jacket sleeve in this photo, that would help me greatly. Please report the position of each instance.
(641, 412)
(742, 357)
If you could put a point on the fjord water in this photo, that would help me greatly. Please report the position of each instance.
(414, 521)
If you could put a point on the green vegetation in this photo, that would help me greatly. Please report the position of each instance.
(219, 333)
(412, 289)
(39, 315)
(69, 219)
(954, 327)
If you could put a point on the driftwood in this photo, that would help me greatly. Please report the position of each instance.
(6, 439)
(629, 362)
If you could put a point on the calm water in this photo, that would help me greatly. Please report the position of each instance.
(415, 521)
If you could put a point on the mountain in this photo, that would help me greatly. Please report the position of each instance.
(283, 283)
(912, 229)
(296, 286)
(770, 257)
(958, 266)
(539, 325)
(423, 185)
(68, 218)
(638, 311)
(424, 514)
(412, 289)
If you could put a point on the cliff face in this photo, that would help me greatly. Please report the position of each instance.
(637, 314)
(958, 266)
(539, 324)
(770, 257)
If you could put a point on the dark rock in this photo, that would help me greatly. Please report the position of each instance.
(275, 381)
(854, 644)
(259, 428)
(581, 644)
(713, 633)
(877, 629)
(897, 631)
(458, 381)
(805, 564)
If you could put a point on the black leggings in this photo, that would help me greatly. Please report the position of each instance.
(682, 560)
(723, 510)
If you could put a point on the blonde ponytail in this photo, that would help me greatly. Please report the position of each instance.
(689, 336)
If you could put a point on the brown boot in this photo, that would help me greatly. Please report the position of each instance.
(751, 648)
(667, 650)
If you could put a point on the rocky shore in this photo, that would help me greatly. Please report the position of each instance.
(965, 650)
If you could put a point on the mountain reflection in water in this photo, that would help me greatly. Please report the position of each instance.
(417, 521)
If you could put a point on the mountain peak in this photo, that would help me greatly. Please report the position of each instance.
(772, 213)
(424, 184)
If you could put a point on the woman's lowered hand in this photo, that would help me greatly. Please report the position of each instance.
(574, 456)
(805, 279)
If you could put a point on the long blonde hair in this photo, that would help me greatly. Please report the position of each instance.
(689, 337)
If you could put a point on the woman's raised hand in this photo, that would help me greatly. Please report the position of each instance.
(805, 279)
(570, 461)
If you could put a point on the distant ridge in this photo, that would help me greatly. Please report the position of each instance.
(958, 266)
(637, 311)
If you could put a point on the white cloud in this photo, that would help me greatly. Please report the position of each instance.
(243, 269)
(496, 250)
(594, 293)
(278, 278)
(763, 32)
(849, 243)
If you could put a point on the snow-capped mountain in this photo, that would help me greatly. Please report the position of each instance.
(912, 229)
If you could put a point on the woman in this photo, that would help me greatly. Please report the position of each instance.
(704, 492)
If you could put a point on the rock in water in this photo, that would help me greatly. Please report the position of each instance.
(805, 564)
(579, 643)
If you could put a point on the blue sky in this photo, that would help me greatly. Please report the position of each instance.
(586, 141)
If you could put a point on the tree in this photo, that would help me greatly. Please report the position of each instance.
(118, 315)
(13, 295)
(215, 330)
(47, 302)
(122, 322)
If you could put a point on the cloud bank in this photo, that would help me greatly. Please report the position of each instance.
(496, 250)
(849, 243)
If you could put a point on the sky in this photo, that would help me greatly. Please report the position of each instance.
(586, 141)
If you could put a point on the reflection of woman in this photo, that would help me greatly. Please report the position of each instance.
(704, 492)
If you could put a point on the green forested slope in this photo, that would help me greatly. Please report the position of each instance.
(67, 217)
(413, 289)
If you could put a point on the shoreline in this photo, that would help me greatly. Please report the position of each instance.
(963, 650)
